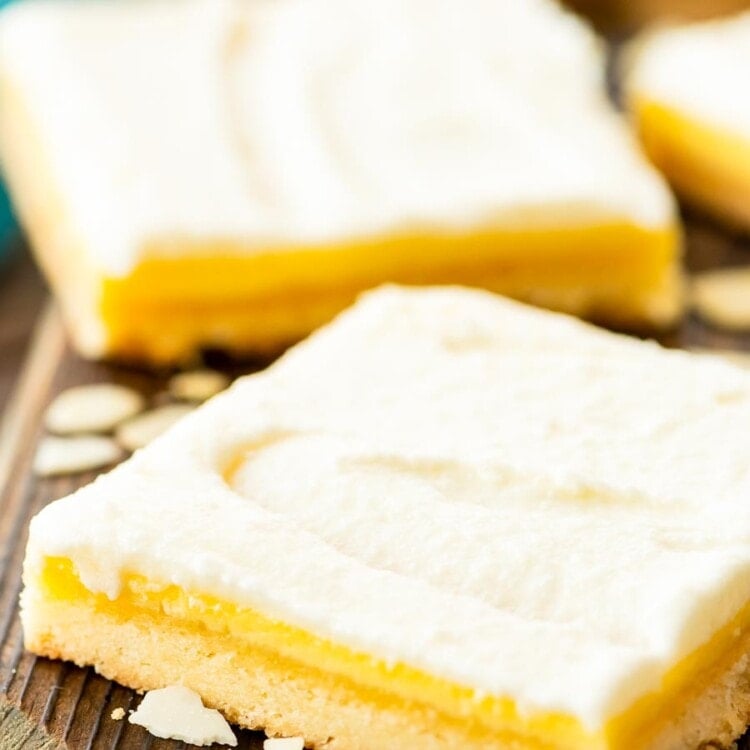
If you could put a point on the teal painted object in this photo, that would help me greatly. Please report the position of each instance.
(7, 223)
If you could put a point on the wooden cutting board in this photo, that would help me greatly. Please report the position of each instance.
(47, 705)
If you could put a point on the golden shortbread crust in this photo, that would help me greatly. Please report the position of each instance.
(260, 689)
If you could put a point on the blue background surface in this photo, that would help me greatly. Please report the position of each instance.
(7, 225)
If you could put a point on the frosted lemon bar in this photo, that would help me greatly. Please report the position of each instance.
(687, 89)
(217, 173)
(447, 520)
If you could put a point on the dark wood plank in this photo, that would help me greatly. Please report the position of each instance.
(47, 705)
(22, 295)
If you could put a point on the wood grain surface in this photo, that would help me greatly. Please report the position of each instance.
(22, 294)
(47, 705)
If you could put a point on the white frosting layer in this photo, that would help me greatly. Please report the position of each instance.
(702, 69)
(280, 122)
(499, 496)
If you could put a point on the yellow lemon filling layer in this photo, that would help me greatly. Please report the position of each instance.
(184, 295)
(706, 163)
(381, 682)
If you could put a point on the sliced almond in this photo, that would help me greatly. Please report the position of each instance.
(197, 385)
(143, 428)
(177, 713)
(722, 297)
(56, 456)
(92, 408)
(284, 743)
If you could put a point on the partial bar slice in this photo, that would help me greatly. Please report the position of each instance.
(445, 521)
(687, 91)
(231, 174)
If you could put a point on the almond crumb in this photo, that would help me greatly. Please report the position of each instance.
(57, 456)
(142, 429)
(722, 297)
(197, 385)
(177, 713)
(92, 408)
(118, 714)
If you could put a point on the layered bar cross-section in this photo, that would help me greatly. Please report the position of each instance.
(445, 520)
(220, 173)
